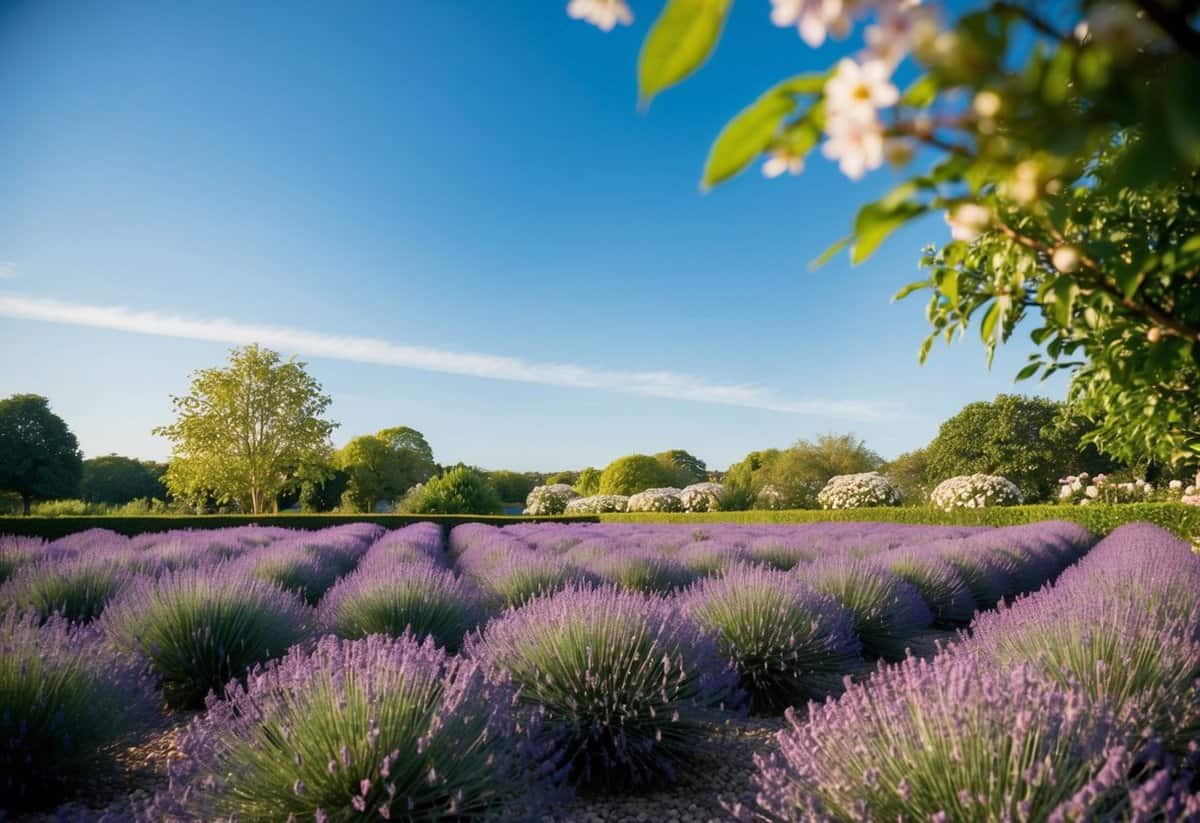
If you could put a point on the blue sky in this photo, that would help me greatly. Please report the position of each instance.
(464, 177)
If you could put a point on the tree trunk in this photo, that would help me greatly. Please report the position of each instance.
(26, 499)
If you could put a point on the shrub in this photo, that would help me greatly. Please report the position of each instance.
(955, 739)
(202, 627)
(788, 642)
(709, 556)
(986, 574)
(655, 500)
(702, 497)
(549, 500)
(518, 576)
(421, 598)
(67, 699)
(974, 491)
(856, 491)
(15, 552)
(887, 611)
(624, 685)
(381, 728)
(641, 570)
(780, 552)
(597, 504)
(293, 568)
(634, 473)
(458, 491)
(78, 589)
(940, 584)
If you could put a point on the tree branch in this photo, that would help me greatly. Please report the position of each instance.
(1032, 18)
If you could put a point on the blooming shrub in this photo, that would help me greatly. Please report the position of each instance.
(16, 552)
(202, 627)
(887, 611)
(975, 491)
(293, 567)
(769, 497)
(598, 504)
(641, 570)
(549, 500)
(519, 576)
(1082, 489)
(421, 598)
(623, 684)
(655, 500)
(780, 552)
(854, 491)
(940, 584)
(65, 699)
(78, 589)
(788, 642)
(708, 557)
(386, 728)
(702, 497)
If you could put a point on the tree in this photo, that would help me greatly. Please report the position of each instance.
(462, 490)
(752, 472)
(375, 471)
(800, 472)
(1061, 144)
(324, 492)
(513, 487)
(910, 474)
(588, 482)
(413, 445)
(39, 456)
(566, 477)
(634, 473)
(685, 468)
(243, 431)
(1021, 438)
(117, 480)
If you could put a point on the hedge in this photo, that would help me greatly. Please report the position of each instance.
(1098, 518)
(50, 528)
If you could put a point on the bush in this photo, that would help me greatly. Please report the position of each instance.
(543, 500)
(67, 700)
(635, 473)
(642, 570)
(779, 552)
(655, 500)
(887, 611)
(293, 568)
(382, 728)
(940, 584)
(78, 589)
(420, 598)
(202, 627)
(458, 491)
(624, 686)
(974, 491)
(518, 576)
(789, 643)
(702, 497)
(856, 491)
(597, 504)
(15, 552)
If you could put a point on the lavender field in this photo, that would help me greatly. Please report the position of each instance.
(602, 671)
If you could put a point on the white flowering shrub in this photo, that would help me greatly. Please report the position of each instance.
(1082, 489)
(768, 497)
(598, 504)
(975, 491)
(856, 491)
(549, 500)
(702, 497)
(656, 500)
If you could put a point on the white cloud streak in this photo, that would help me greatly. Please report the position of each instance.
(665, 384)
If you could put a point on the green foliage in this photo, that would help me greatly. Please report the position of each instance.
(565, 477)
(513, 487)
(374, 471)
(115, 480)
(588, 482)
(685, 468)
(243, 432)
(681, 39)
(77, 589)
(39, 456)
(1017, 437)
(910, 473)
(324, 493)
(747, 477)
(803, 470)
(635, 473)
(459, 491)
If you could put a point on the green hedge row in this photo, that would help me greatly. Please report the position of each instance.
(50, 528)
(1100, 518)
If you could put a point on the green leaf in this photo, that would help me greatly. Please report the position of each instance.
(1027, 372)
(910, 288)
(987, 329)
(1065, 290)
(875, 223)
(812, 82)
(922, 92)
(681, 39)
(746, 136)
(828, 254)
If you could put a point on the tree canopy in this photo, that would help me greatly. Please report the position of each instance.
(117, 480)
(684, 467)
(800, 472)
(39, 456)
(635, 473)
(461, 490)
(246, 431)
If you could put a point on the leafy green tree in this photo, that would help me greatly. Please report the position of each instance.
(117, 480)
(752, 472)
(413, 445)
(910, 474)
(513, 487)
(1021, 438)
(684, 467)
(39, 456)
(634, 473)
(375, 471)
(588, 482)
(567, 477)
(800, 472)
(241, 431)
(461, 490)
(323, 493)
(1060, 142)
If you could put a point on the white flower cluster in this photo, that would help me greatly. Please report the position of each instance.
(598, 504)
(1082, 489)
(975, 491)
(655, 500)
(702, 497)
(549, 500)
(603, 14)
(769, 497)
(855, 491)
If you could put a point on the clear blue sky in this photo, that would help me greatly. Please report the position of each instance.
(467, 177)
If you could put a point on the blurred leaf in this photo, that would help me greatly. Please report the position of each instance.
(681, 39)
(921, 92)
(1064, 290)
(1027, 372)
(916, 285)
(828, 254)
(875, 222)
(746, 136)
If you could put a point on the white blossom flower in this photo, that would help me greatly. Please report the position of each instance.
(900, 27)
(769, 497)
(1066, 259)
(975, 491)
(702, 497)
(858, 91)
(815, 19)
(853, 491)
(655, 500)
(780, 161)
(549, 500)
(967, 221)
(598, 504)
(1175, 485)
(987, 103)
(603, 14)
(857, 146)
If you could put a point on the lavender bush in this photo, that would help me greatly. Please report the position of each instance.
(202, 627)
(642, 570)
(78, 589)
(788, 642)
(16, 552)
(623, 684)
(295, 567)
(66, 700)
(940, 585)
(379, 728)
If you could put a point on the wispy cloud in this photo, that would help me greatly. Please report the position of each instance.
(373, 350)
(8, 269)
